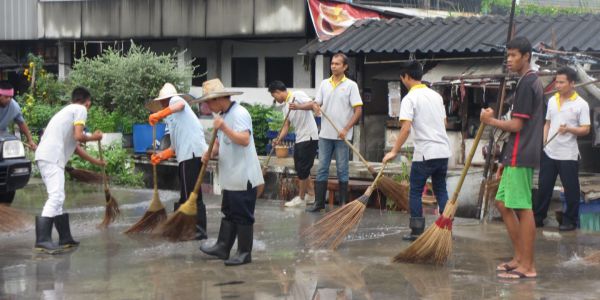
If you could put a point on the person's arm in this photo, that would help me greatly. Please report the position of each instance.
(546, 130)
(400, 140)
(83, 154)
(215, 152)
(513, 125)
(353, 120)
(25, 130)
(81, 137)
(241, 138)
(577, 131)
(283, 133)
(302, 106)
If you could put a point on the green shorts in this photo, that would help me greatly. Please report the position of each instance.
(515, 187)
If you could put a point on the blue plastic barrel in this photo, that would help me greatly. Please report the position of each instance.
(142, 136)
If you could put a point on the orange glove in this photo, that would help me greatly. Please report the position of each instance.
(155, 117)
(155, 159)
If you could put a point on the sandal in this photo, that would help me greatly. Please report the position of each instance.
(516, 275)
(505, 268)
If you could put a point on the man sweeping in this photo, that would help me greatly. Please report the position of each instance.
(239, 173)
(60, 139)
(567, 117)
(422, 111)
(10, 111)
(521, 157)
(187, 145)
(340, 99)
(299, 106)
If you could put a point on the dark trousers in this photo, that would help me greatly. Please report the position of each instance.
(238, 206)
(569, 176)
(419, 172)
(188, 173)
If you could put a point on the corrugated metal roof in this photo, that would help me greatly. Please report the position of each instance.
(460, 34)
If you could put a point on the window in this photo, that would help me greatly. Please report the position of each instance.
(280, 68)
(244, 71)
(200, 71)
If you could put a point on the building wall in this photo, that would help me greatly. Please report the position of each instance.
(18, 19)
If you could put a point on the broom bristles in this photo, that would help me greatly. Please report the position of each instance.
(154, 215)
(111, 212)
(434, 245)
(85, 175)
(12, 219)
(181, 225)
(395, 191)
(593, 258)
(333, 228)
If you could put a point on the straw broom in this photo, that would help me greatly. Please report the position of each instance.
(435, 244)
(86, 176)
(181, 225)
(156, 213)
(593, 258)
(112, 207)
(332, 229)
(390, 188)
(12, 219)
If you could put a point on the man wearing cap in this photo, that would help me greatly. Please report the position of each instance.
(239, 173)
(340, 100)
(11, 111)
(187, 145)
(307, 134)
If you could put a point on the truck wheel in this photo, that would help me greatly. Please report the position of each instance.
(7, 197)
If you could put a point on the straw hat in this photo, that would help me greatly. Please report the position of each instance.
(167, 91)
(212, 89)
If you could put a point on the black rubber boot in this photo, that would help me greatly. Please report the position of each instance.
(343, 193)
(320, 191)
(224, 242)
(245, 235)
(176, 206)
(417, 226)
(43, 236)
(200, 221)
(65, 240)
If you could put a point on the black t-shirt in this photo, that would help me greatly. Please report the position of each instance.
(525, 147)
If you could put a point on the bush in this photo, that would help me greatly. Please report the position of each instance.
(119, 165)
(260, 125)
(122, 82)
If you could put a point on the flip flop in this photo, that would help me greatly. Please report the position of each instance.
(505, 268)
(518, 275)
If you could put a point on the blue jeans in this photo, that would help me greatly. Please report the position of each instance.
(327, 148)
(419, 172)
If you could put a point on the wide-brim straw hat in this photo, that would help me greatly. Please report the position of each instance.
(212, 89)
(167, 91)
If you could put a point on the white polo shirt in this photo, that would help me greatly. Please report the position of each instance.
(573, 112)
(425, 109)
(303, 120)
(187, 134)
(238, 164)
(58, 141)
(338, 102)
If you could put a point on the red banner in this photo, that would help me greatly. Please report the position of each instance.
(332, 18)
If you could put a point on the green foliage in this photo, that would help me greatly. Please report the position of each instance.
(119, 165)
(275, 118)
(100, 119)
(37, 115)
(122, 82)
(503, 6)
(260, 125)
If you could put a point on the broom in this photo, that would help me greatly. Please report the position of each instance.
(261, 188)
(112, 207)
(181, 225)
(332, 229)
(84, 175)
(12, 219)
(435, 244)
(390, 188)
(156, 213)
(593, 258)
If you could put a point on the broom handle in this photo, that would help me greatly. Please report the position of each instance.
(364, 161)
(104, 180)
(154, 175)
(203, 169)
(551, 138)
(278, 133)
(376, 180)
(468, 163)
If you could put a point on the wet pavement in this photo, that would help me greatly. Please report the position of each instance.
(110, 265)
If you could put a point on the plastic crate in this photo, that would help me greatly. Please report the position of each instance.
(142, 136)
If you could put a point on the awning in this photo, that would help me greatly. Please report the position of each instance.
(461, 69)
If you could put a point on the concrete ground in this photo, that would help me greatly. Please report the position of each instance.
(110, 265)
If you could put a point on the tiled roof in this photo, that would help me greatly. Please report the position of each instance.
(460, 34)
